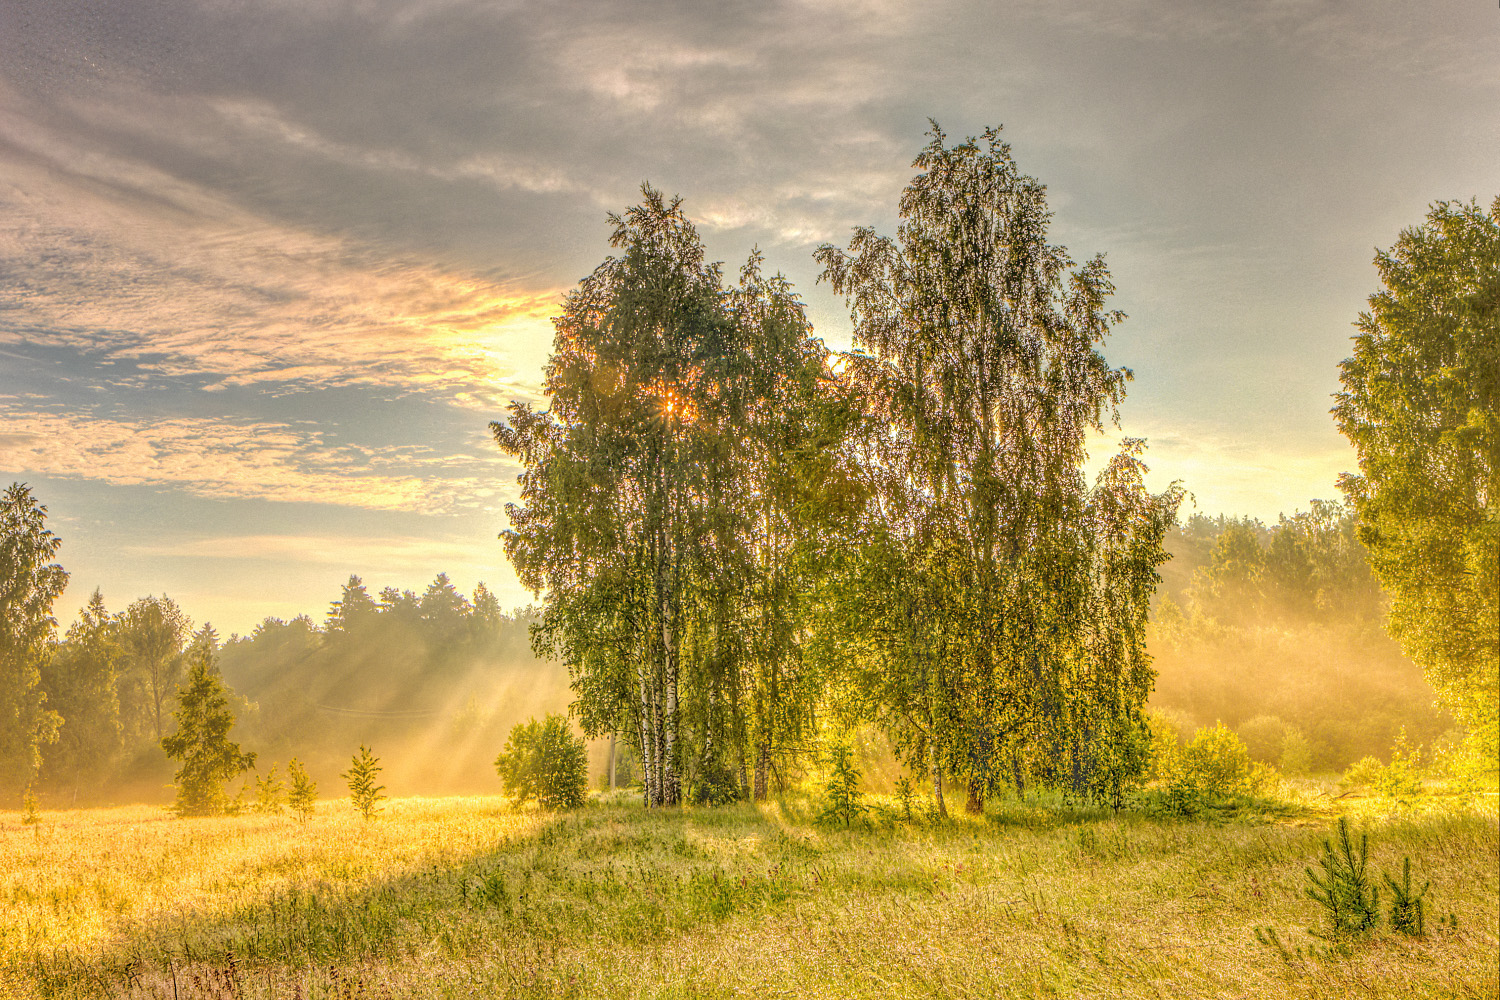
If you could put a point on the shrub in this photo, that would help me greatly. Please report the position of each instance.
(361, 777)
(1216, 762)
(30, 816)
(1166, 747)
(545, 761)
(1296, 752)
(1402, 777)
(1264, 737)
(303, 793)
(1363, 773)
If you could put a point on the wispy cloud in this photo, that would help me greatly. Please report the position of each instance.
(225, 459)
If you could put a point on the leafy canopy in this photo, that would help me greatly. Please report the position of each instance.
(1421, 405)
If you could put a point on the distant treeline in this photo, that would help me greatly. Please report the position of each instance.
(1278, 631)
(434, 680)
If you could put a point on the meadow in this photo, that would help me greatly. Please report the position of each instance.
(468, 896)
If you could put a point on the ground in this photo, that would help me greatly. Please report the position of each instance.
(471, 897)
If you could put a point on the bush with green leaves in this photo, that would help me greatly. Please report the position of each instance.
(1296, 752)
(361, 777)
(545, 761)
(1216, 762)
(303, 794)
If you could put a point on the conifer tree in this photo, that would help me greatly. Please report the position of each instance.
(201, 743)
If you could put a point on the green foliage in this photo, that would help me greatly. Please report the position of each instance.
(1363, 773)
(1348, 895)
(82, 684)
(29, 814)
(1296, 752)
(992, 614)
(842, 790)
(363, 791)
(303, 794)
(1402, 777)
(1303, 649)
(152, 631)
(270, 794)
(1216, 763)
(666, 503)
(1408, 908)
(545, 761)
(905, 794)
(29, 584)
(1421, 405)
(201, 743)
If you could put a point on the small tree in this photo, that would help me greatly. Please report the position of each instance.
(30, 817)
(1408, 909)
(1346, 893)
(842, 790)
(303, 794)
(361, 777)
(545, 761)
(268, 793)
(201, 741)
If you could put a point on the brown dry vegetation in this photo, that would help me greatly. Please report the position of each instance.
(466, 896)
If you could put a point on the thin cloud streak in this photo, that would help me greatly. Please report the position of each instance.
(265, 461)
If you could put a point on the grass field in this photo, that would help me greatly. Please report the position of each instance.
(466, 897)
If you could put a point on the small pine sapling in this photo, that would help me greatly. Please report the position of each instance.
(30, 816)
(1345, 892)
(842, 790)
(304, 793)
(268, 793)
(1408, 910)
(361, 777)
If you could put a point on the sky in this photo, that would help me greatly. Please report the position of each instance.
(268, 268)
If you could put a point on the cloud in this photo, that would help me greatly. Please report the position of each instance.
(225, 459)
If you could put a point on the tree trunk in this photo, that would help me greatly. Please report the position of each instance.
(974, 803)
(762, 767)
(611, 761)
(937, 785)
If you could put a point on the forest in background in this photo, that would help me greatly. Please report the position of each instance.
(1273, 630)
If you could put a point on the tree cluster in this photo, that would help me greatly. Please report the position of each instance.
(736, 530)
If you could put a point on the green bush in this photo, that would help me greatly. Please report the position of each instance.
(545, 761)
(1216, 762)
(1347, 894)
(1264, 736)
(1363, 773)
(1296, 752)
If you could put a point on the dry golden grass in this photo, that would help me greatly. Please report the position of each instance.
(467, 897)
